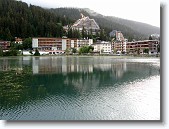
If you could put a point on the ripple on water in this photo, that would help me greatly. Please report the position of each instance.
(103, 99)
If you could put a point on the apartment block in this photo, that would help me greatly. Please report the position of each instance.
(47, 44)
(140, 46)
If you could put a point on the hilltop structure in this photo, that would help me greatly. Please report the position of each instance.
(86, 23)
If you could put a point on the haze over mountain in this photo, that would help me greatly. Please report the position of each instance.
(138, 26)
(130, 29)
(18, 19)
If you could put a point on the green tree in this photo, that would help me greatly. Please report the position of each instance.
(146, 50)
(67, 51)
(37, 53)
(13, 52)
(86, 49)
(130, 39)
(90, 47)
(70, 33)
(83, 49)
(74, 50)
(84, 33)
(17, 19)
(27, 43)
(102, 35)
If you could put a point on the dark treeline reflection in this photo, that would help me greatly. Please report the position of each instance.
(27, 79)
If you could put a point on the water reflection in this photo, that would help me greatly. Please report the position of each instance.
(68, 83)
(80, 73)
(65, 65)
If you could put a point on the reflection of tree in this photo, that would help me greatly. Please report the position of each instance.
(14, 88)
(12, 85)
(20, 85)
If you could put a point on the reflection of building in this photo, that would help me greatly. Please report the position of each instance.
(119, 69)
(7, 64)
(4, 45)
(46, 65)
(56, 65)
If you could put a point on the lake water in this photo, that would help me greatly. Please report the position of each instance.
(79, 88)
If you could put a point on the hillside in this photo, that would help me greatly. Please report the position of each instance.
(130, 29)
(137, 26)
(17, 19)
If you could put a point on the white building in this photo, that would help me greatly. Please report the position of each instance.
(102, 47)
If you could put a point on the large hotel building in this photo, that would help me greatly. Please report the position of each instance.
(49, 44)
(140, 46)
(136, 46)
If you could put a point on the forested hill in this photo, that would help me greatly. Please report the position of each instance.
(18, 19)
(130, 29)
(136, 26)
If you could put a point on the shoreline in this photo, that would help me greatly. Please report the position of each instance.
(112, 56)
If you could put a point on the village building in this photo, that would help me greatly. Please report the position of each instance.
(18, 40)
(102, 47)
(5, 45)
(118, 42)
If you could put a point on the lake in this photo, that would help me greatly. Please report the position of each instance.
(79, 88)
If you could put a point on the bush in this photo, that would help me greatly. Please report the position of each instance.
(37, 53)
(10, 53)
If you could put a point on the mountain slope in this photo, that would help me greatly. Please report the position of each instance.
(137, 26)
(17, 19)
(130, 29)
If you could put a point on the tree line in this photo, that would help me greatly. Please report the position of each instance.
(18, 19)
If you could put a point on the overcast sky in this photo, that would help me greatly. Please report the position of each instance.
(146, 11)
